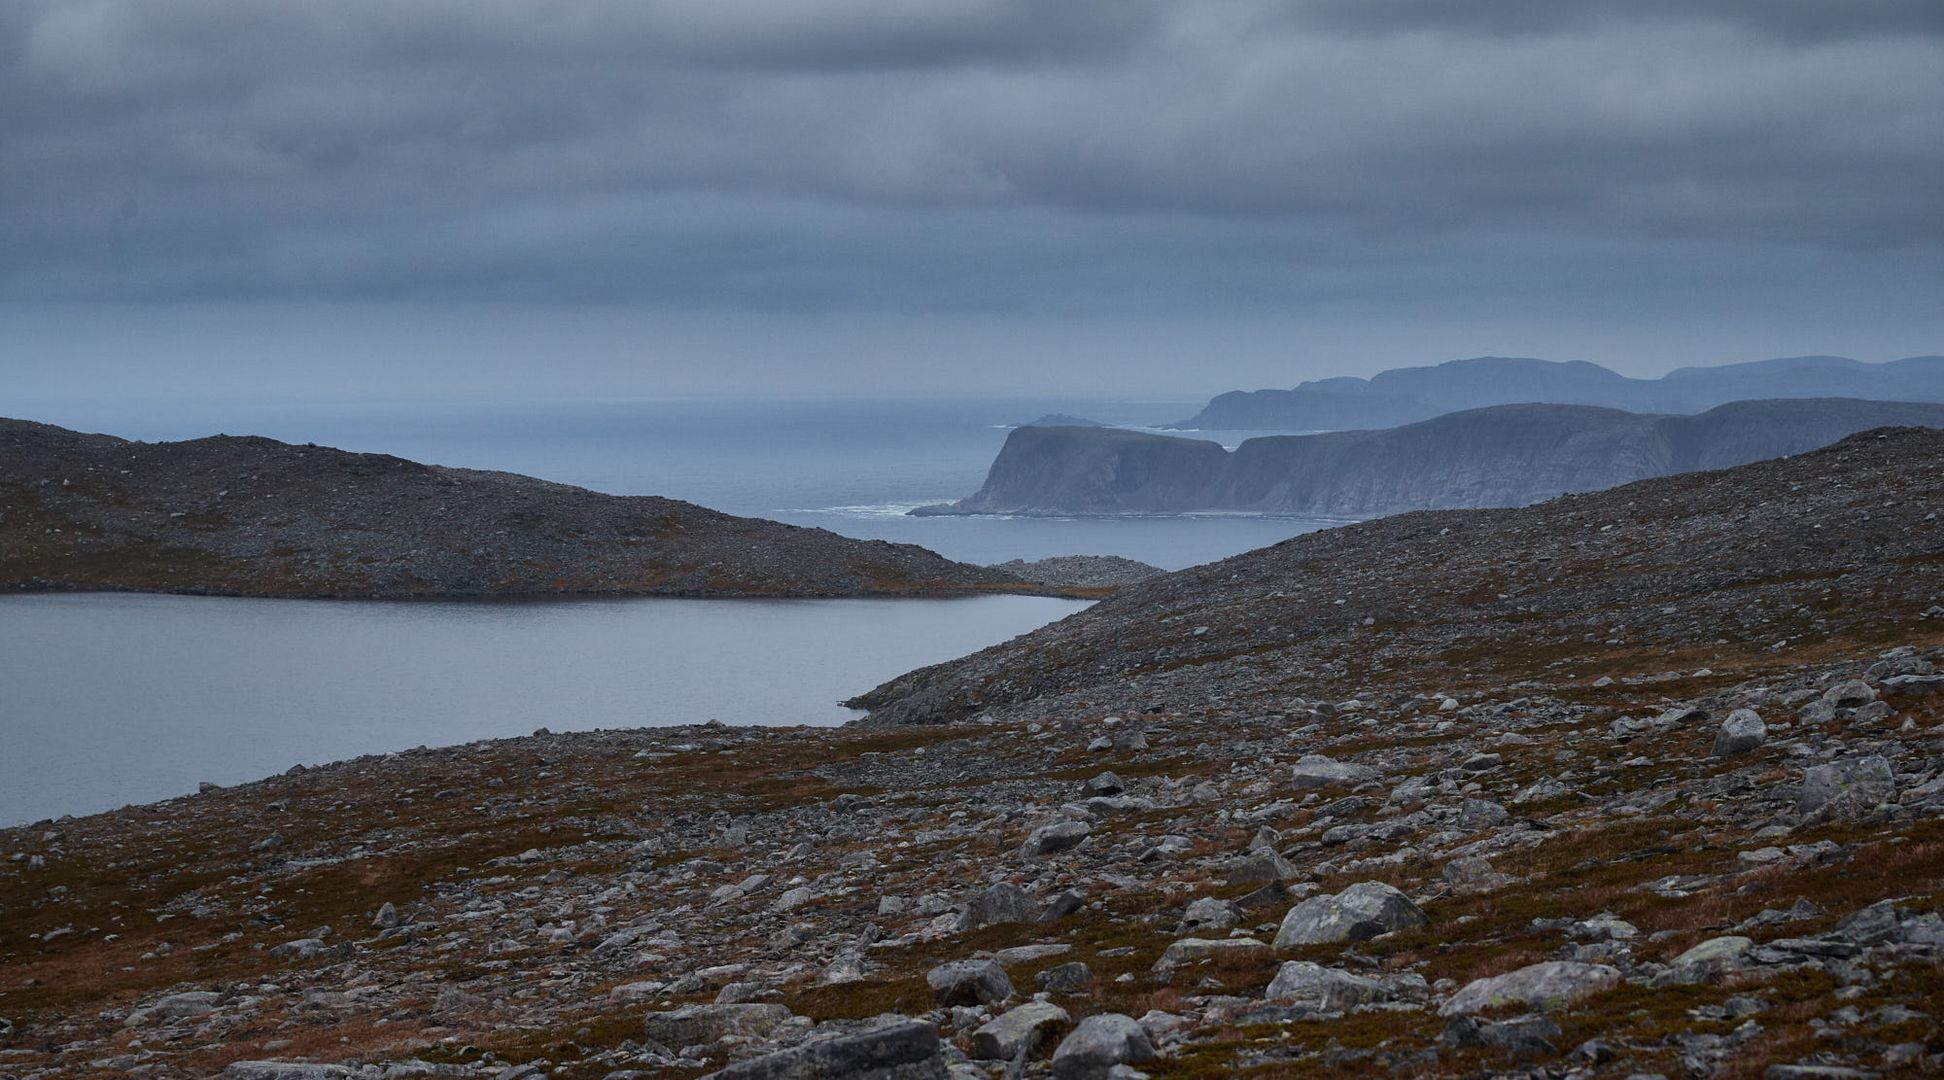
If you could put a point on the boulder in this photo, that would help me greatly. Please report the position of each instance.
(1546, 985)
(905, 1050)
(693, 1025)
(1706, 961)
(969, 982)
(1473, 873)
(283, 1070)
(1849, 694)
(1068, 978)
(1019, 1031)
(1104, 784)
(1328, 989)
(1478, 814)
(1262, 864)
(1195, 950)
(1211, 913)
(1313, 771)
(996, 904)
(1099, 1043)
(1358, 913)
(1055, 837)
(1741, 732)
(1847, 787)
(1522, 1036)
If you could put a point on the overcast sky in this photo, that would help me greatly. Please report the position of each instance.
(395, 197)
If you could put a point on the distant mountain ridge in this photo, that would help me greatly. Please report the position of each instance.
(1499, 456)
(1407, 395)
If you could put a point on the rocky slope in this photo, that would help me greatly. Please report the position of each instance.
(256, 517)
(1736, 559)
(1407, 395)
(1080, 571)
(1508, 455)
(1645, 783)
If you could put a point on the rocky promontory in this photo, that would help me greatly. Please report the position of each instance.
(1645, 783)
(1507, 455)
(257, 517)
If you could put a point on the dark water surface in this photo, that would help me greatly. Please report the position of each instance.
(113, 698)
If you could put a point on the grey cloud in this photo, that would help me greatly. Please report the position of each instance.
(1801, 20)
(960, 153)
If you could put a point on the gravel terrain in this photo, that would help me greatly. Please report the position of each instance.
(1649, 783)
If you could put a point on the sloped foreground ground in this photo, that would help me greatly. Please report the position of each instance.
(1714, 852)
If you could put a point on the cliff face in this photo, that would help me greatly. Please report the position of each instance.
(253, 516)
(1407, 395)
(1094, 471)
(1507, 455)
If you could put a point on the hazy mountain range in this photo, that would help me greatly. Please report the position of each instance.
(1505, 455)
(1407, 395)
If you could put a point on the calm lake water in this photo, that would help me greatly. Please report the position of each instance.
(113, 698)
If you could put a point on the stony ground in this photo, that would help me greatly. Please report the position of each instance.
(256, 517)
(1595, 858)
(1712, 905)
(1086, 571)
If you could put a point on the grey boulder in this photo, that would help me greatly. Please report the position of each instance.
(1099, 1043)
(996, 904)
(1358, 913)
(1847, 787)
(1546, 985)
(907, 1050)
(1849, 693)
(969, 982)
(282, 1070)
(693, 1025)
(1055, 837)
(1741, 732)
(1328, 989)
(1319, 771)
(1020, 1031)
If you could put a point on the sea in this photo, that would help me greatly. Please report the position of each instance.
(113, 699)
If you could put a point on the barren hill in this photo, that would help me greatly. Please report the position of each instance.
(256, 517)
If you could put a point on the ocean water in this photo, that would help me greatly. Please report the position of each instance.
(852, 466)
(113, 699)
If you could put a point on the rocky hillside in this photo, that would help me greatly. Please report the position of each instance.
(1407, 395)
(1649, 783)
(1737, 559)
(1080, 571)
(1508, 455)
(257, 517)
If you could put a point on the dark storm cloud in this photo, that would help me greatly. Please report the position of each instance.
(956, 153)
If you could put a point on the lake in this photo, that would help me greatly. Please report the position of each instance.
(115, 698)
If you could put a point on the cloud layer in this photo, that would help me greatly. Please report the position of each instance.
(950, 155)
